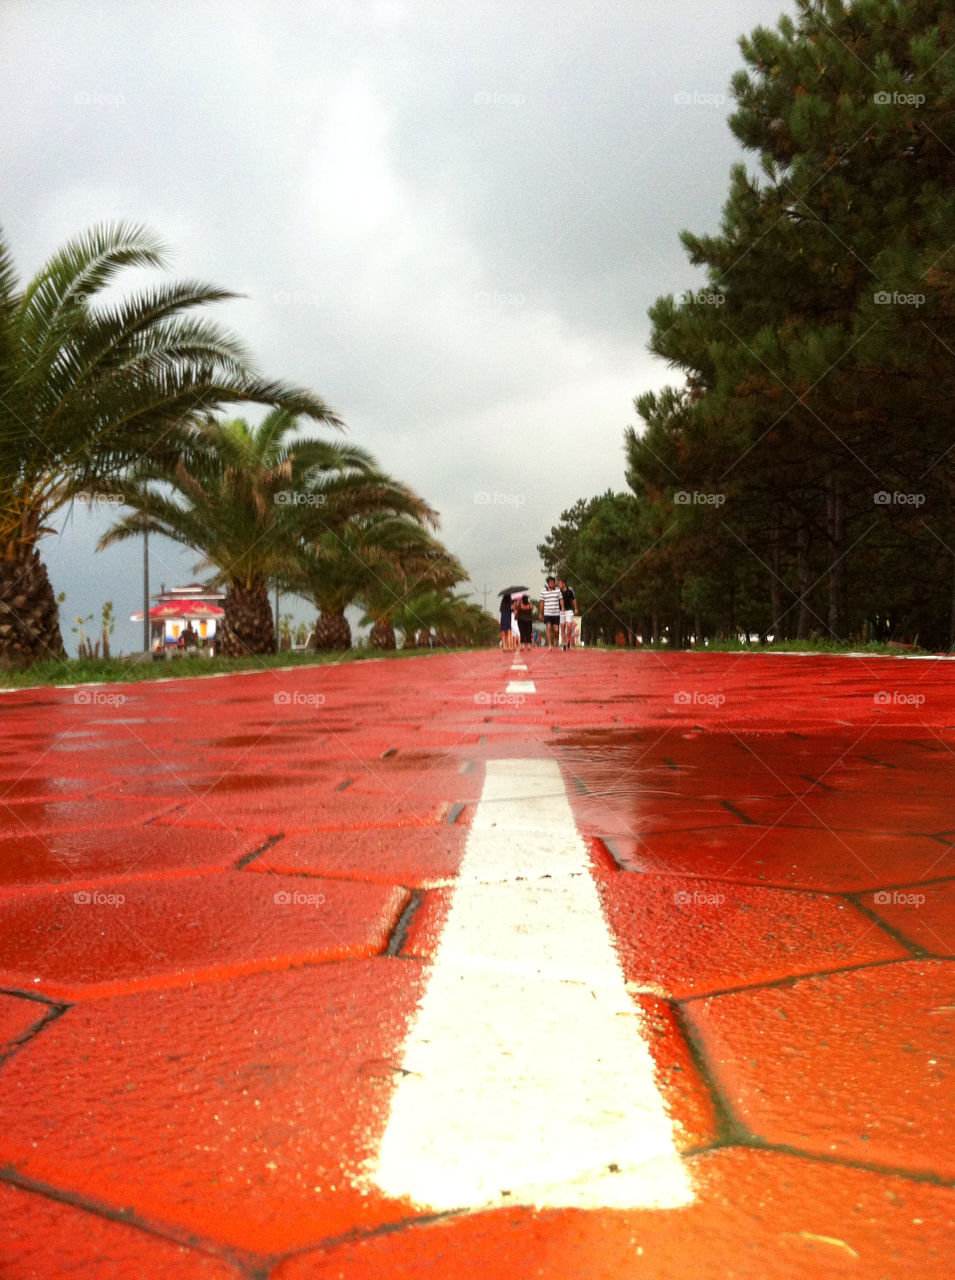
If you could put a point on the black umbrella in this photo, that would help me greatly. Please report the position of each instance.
(513, 591)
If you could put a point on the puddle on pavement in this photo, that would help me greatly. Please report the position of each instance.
(835, 810)
(246, 782)
(40, 788)
(129, 720)
(250, 739)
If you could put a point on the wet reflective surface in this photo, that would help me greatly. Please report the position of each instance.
(218, 916)
(826, 811)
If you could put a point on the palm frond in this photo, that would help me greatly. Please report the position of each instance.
(90, 391)
(83, 267)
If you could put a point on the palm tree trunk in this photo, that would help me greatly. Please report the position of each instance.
(332, 631)
(382, 635)
(29, 616)
(247, 626)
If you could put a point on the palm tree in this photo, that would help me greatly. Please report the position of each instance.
(455, 620)
(350, 560)
(470, 625)
(88, 387)
(408, 560)
(370, 523)
(332, 570)
(248, 499)
(417, 616)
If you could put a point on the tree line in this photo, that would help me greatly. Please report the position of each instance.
(125, 400)
(798, 480)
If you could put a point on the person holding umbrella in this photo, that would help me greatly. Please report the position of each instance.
(524, 613)
(509, 629)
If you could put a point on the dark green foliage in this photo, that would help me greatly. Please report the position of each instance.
(801, 481)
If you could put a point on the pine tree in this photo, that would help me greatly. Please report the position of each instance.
(820, 357)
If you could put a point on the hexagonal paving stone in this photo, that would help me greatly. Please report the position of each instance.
(294, 813)
(44, 1239)
(856, 811)
(29, 818)
(126, 935)
(858, 1066)
(420, 857)
(84, 857)
(758, 1214)
(678, 937)
(799, 857)
(244, 1111)
(17, 1018)
(922, 913)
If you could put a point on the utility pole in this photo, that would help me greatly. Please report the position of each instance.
(147, 637)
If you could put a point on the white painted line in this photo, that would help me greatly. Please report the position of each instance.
(526, 1079)
(520, 686)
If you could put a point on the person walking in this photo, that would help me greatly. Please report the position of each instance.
(524, 612)
(507, 635)
(550, 611)
(568, 614)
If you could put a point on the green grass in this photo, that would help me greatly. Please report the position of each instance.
(143, 667)
(140, 667)
(811, 645)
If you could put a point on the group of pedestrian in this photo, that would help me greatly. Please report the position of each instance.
(558, 612)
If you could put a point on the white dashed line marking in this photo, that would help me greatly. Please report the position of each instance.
(520, 686)
(526, 1079)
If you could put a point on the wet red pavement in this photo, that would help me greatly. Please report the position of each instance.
(221, 900)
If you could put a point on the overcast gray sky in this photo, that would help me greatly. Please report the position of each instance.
(449, 219)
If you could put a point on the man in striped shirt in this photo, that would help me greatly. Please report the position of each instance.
(551, 601)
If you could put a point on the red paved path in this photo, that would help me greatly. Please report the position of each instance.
(219, 899)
